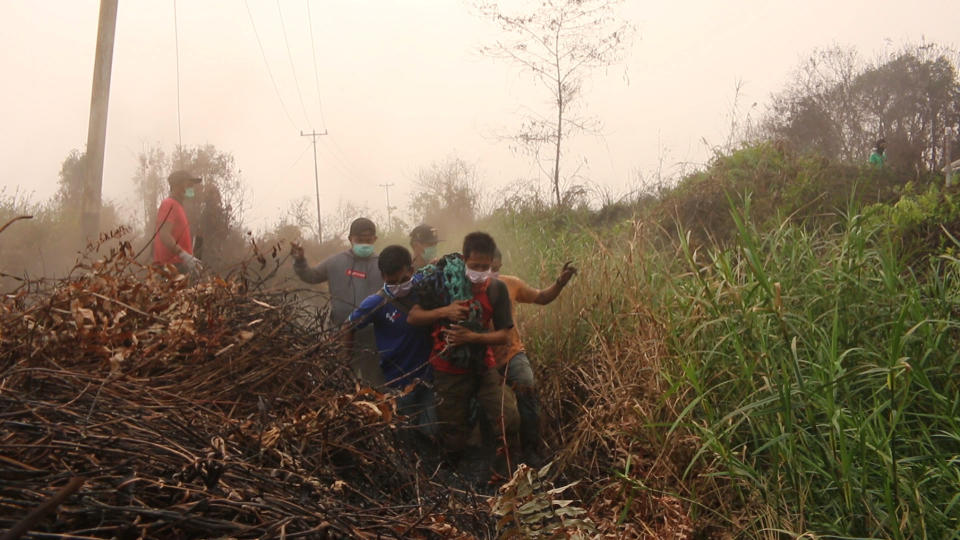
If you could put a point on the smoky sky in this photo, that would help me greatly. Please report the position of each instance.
(399, 84)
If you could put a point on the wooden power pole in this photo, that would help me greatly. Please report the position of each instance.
(97, 129)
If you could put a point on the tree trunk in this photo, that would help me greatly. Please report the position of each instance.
(556, 162)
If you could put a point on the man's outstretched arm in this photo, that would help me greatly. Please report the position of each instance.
(545, 296)
(317, 274)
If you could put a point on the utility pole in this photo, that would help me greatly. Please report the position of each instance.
(386, 187)
(316, 179)
(97, 128)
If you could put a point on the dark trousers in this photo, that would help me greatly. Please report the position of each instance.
(519, 376)
(497, 400)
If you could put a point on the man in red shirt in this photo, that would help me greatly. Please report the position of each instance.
(472, 376)
(173, 243)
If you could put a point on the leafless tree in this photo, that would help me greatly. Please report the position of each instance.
(560, 42)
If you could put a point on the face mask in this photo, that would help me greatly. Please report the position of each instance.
(400, 289)
(363, 250)
(190, 193)
(429, 253)
(477, 277)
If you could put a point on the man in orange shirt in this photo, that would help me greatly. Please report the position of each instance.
(512, 358)
(173, 244)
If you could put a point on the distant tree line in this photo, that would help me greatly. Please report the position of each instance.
(839, 105)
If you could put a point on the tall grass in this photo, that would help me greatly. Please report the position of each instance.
(819, 370)
(825, 373)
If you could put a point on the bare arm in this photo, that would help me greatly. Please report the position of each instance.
(425, 317)
(545, 296)
(458, 335)
(317, 274)
(166, 238)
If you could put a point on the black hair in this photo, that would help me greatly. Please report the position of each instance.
(497, 254)
(479, 242)
(394, 259)
(362, 225)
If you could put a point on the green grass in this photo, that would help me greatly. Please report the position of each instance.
(826, 374)
(817, 366)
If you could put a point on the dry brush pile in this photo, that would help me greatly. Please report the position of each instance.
(165, 408)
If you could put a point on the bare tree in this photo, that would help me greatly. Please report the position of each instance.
(151, 183)
(560, 42)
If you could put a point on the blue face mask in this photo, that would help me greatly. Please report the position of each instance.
(429, 253)
(363, 250)
(190, 193)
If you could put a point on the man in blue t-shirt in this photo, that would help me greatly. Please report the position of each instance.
(404, 349)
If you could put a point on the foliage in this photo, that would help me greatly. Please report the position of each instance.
(47, 244)
(526, 507)
(824, 374)
(70, 182)
(780, 181)
(560, 42)
(215, 215)
(447, 195)
(920, 224)
(838, 106)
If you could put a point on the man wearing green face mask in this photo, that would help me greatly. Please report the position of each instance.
(173, 243)
(352, 275)
(423, 243)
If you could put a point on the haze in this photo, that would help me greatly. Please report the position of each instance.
(397, 85)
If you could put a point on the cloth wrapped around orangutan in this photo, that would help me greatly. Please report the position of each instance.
(441, 284)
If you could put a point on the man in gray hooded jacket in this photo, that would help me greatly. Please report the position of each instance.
(352, 276)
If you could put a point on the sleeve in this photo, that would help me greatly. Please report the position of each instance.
(317, 274)
(502, 316)
(364, 314)
(165, 213)
(525, 294)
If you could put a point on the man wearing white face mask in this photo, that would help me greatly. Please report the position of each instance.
(461, 377)
(352, 275)
(173, 244)
(404, 349)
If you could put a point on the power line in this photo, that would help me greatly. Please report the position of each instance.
(176, 45)
(267, 64)
(343, 164)
(316, 72)
(293, 69)
(302, 153)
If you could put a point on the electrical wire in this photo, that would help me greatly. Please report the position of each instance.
(340, 162)
(267, 64)
(302, 153)
(293, 69)
(316, 72)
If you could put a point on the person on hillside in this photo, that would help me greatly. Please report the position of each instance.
(879, 155)
(173, 244)
(353, 276)
(404, 349)
(512, 360)
(462, 357)
(423, 242)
